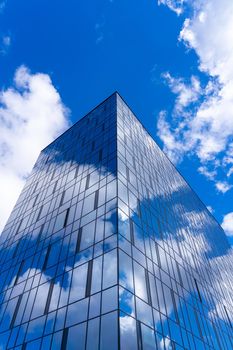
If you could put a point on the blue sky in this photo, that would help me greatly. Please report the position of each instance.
(156, 55)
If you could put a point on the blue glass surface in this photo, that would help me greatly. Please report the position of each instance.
(108, 245)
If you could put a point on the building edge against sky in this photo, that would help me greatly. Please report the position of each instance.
(108, 246)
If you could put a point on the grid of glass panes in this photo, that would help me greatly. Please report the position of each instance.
(66, 278)
(175, 264)
(58, 257)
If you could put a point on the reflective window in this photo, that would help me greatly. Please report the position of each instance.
(148, 338)
(76, 337)
(125, 271)
(88, 233)
(140, 281)
(110, 269)
(109, 299)
(93, 334)
(128, 332)
(78, 284)
(77, 312)
(107, 233)
(109, 332)
(144, 312)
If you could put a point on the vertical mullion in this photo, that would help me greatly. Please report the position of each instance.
(16, 311)
(46, 258)
(131, 231)
(19, 271)
(87, 181)
(17, 231)
(55, 186)
(40, 233)
(79, 240)
(62, 198)
(139, 335)
(174, 306)
(148, 287)
(36, 197)
(64, 339)
(180, 277)
(39, 213)
(16, 249)
(89, 278)
(198, 291)
(46, 309)
(96, 199)
(76, 171)
(66, 218)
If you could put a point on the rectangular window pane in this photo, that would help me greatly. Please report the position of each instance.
(96, 275)
(125, 271)
(78, 284)
(88, 233)
(76, 337)
(140, 281)
(110, 269)
(49, 297)
(128, 333)
(109, 332)
(93, 334)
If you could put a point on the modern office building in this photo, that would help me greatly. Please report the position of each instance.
(108, 248)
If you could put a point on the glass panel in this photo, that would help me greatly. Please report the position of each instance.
(88, 233)
(94, 307)
(110, 269)
(148, 338)
(126, 301)
(96, 275)
(144, 312)
(109, 332)
(128, 333)
(125, 271)
(77, 312)
(57, 340)
(35, 328)
(88, 204)
(59, 223)
(140, 281)
(40, 301)
(93, 334)
(76, 337)
(78, 285)
(46, 341)
(110, 299)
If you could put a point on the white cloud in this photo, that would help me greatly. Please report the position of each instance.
(207, 173)
(5, 44)
(222, 186)
(206, 129)
(174, 5)
(227, 224)
(31, 116)
(172, 146)
(186, 93)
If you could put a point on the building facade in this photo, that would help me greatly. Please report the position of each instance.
(109, 248)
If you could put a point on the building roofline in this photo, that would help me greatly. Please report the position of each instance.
(78, 121)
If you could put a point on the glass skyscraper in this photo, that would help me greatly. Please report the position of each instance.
(109, 248)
